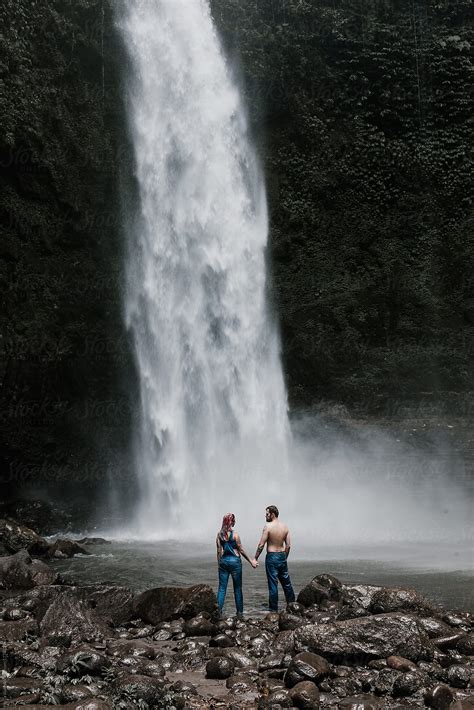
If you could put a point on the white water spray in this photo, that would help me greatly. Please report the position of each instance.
(213, 422)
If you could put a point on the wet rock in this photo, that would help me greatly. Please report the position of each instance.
(259, 646)
(296, 608)
(70, 619)
(352, 612)
(367, 638)
(459, 676)
(321, 588)
(238, 658)
(407, 684)
(14, 614)
(274, 660)
(19, 571)
(113, 604)
(17, 630)
(439, 697)
(288, 622)
(284, 641)
(162, 635)
(165, 603)
(132, 647)
(280, 698)
(360, 702)
(82, 661)
(306, 666)
(94, 541)
(200, 625)
(460, 619)
(39, 599)
(383, 683)
(67, 548)
(465, 645)
(305, 695)
(450, 641)
(360, 594)
(136, 687)
(184, 687)
(219, 667)
(434, 627)
(222, 641)
(344, 687)
(401, 664)
(396, 599)
(240, 683)
(16, 537)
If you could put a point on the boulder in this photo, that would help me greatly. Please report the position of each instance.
(305, 695)
(306, 666)
(280, 699)
(459, 676)
(67, 548)
(238, 657)
(360, 594)
(113, 604)
(165, 603)
(200, 625)
(323, 587)
(219, 667)
(360, 640)
(401, 664)
(439, 697)
(70, 619)
(465, 645)
(406, 684)
(404, 599)
(222, 641)
(19, 571)
(288, 622)
(16, 537)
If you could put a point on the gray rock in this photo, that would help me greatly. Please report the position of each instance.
(407, 684)
(113, 604)
(306, 666)
(366, 638)
(199, 625)
(67, 548)
(219, 667)
(165, 603)
(19, 571)
(400, 599)
(131, 647)
(459, 676)
(280, 698)
(323, 587)
(222, 641)
(439, 697)
(360, 594)
(288, 622)
(81, 661)
(434, 627)
(16, 537)
(70, 619)
(305, 695)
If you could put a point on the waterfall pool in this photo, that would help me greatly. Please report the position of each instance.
(443, 572)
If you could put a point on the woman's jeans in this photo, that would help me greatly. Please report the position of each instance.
(230, 566)
(276, 568)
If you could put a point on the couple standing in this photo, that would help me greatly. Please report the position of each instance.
(276, 536)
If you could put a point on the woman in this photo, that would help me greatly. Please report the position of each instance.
(229, 552)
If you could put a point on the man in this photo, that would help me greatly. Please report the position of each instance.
(276, 536)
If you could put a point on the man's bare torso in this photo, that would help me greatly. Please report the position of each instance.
(277, 536)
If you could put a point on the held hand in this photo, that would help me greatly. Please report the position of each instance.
(254, 563)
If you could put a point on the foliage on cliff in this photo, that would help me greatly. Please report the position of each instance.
(363, 115)
(62, 348)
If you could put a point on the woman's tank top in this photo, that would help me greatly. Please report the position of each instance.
(229, 546)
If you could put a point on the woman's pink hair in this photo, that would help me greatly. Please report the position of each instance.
(228, 521)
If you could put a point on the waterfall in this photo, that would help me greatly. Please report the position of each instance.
(212, 432)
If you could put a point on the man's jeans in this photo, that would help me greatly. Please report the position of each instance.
(230, 566)
(277, 570)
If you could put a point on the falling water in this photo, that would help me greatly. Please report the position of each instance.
(213, 425)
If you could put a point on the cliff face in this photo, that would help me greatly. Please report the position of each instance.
(360, 111)
(63, 352)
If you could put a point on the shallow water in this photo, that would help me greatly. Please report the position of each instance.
(443, 572)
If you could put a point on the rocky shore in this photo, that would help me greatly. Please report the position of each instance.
(347, 646)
